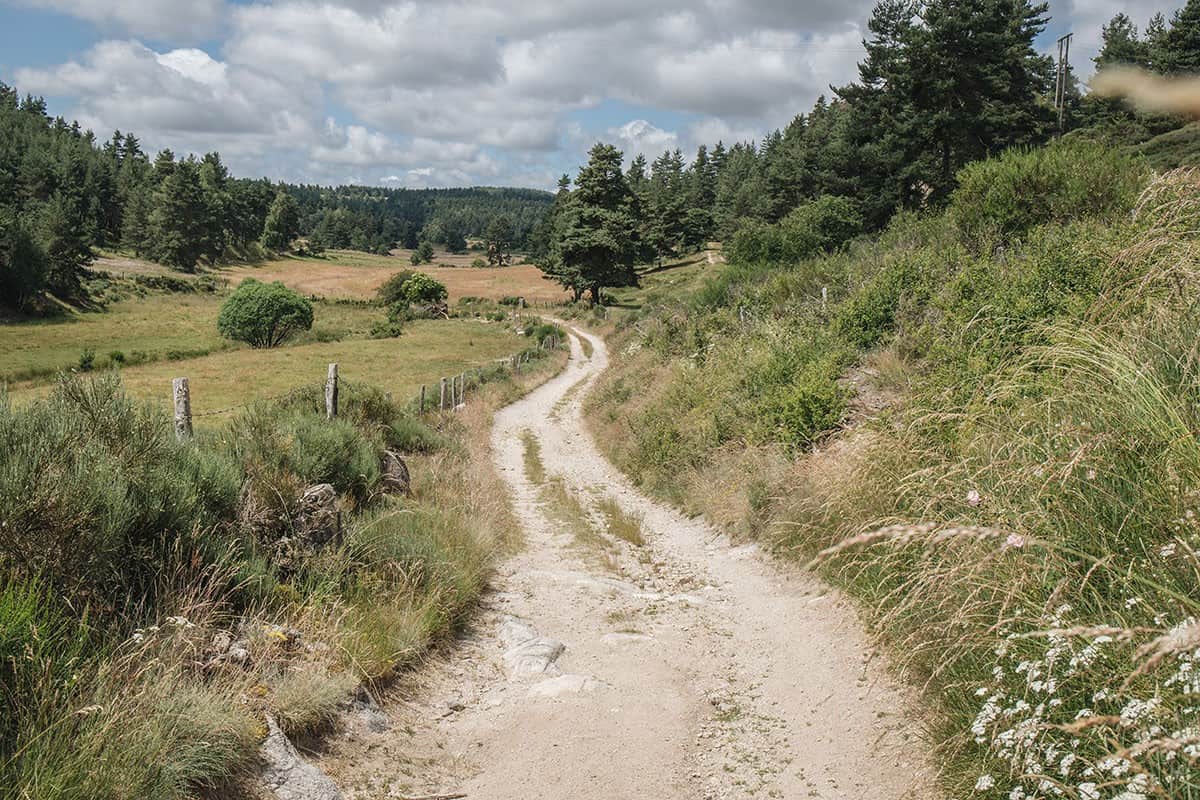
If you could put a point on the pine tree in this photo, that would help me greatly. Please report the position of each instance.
(65, 245)
(883, 124)
(179, 216)
(594, 240)
(282, 225)
(1181, 43)
(1120, 44)
(214, 179)
(499, 240)
(1155, 40)
(741, 194)
(979, 81)
(666, 204)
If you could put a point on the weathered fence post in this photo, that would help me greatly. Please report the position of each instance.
(331, 392)
(462, 388)
(183, 408)
(442, 400)
(422, 411)
(824, 297)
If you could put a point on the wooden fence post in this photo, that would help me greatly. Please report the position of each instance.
(442, 400)
(183, 408)
(331, 392)
(422, 411)
(462, 388)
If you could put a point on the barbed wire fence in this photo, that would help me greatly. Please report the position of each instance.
(451, 391)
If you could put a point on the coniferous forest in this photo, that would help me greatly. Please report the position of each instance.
(64, 194)
(943, 84)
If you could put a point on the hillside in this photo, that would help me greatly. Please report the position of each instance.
(981, 425)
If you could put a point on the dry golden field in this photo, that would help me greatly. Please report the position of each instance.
(349, 273)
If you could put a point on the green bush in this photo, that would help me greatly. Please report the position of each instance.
(810, 405)
(820, 226)
(95, 492)
(422, 289)
(392, 290)
(294, 444)
(1002, 198)
(264, 314)
(87, 360)
(874, 310)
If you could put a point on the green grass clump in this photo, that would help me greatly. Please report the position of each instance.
(621, 524)
(531, 455)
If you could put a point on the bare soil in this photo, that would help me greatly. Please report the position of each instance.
(673, 664)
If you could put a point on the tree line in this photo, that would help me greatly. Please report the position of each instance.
(944, 83)
(64, 194)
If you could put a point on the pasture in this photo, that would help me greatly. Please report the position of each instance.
(354, 274)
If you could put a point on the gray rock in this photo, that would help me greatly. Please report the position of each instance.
(317, 521)
(288, 775)
(529, 655)
(564, 685)
(396, 479)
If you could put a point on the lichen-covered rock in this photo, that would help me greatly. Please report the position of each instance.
(396, 479)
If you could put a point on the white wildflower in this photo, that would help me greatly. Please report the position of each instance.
(984, 783)
(1088, 791)
(974, 498)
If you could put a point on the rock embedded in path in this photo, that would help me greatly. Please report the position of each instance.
(529, 655)
(564, 685)
(288, 775)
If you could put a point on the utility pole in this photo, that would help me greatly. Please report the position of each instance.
(1063, 74)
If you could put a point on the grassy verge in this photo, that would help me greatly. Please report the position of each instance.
(160, 597)
(982, 426)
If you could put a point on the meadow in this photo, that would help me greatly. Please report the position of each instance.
(152, 336)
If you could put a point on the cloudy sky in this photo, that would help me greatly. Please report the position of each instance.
(446, 92)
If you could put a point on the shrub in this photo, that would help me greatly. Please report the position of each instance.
(264, 314)
(392, 290)
(423, 254)
(95, 492)
(274, 443)
(424, 290)
(1004, 197)
(820, 226)
(873, 311)
(87, 360)
(479, 263)
(116, 356)
(810, 405)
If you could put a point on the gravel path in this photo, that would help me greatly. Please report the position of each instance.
(684, 667)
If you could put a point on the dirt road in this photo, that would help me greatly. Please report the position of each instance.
(608, 667)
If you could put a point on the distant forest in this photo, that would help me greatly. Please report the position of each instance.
(64, 193)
